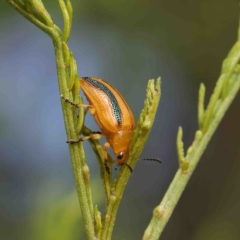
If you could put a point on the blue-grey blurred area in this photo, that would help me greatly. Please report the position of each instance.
(125, 43)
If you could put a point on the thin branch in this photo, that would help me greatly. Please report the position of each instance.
(76, 150)
(99, 152)
(216, 109)
(67, 21)
(140, 136)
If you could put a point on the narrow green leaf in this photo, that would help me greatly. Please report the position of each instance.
(66, 19)
(38, 5)
(78, 99)
(229, 65)
(66, 54)
(201, 98)
(212, 103)
(70, 12)
(98, 222)
(73, 72)
(180, 147)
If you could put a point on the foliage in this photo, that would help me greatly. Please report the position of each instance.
(97, 228)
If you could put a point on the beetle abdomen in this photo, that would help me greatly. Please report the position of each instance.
(112, 112)
(114, 104)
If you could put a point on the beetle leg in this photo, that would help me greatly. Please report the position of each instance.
(96, 132)
(106, 147)
(79, 105)
(94, 135)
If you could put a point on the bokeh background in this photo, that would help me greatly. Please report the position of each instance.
(126, 43)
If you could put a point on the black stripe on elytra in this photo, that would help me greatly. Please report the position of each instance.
(114, 103)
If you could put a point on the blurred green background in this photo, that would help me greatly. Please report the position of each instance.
(126, 43)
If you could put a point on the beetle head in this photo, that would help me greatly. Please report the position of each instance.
(121, 157)
(120, 142)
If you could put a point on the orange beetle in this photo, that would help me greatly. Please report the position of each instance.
(111, 113)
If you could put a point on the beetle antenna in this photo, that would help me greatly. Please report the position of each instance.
(129, 167)
(151, 159)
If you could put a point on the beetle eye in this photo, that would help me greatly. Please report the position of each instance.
(120, 155)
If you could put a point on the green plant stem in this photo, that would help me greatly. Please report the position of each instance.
(99, 152)
(76, 150)
(140, 136)
(162, 212)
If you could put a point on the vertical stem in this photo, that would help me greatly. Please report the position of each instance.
(138, 141)
(163, 211)
(76, 150)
